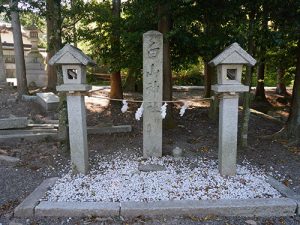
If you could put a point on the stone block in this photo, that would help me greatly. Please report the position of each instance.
(29, 98)
(109, 130)
(247, 207)
(48, 100)
(77, 209)
(12, 123)
(151, 167)
(9, 159)
(26, 208)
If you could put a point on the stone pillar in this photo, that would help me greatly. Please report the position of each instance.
(77, 133)
(2, 69)
(152, 93)
(228, 122)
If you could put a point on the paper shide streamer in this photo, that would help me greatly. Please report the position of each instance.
(163, 110)
(139, 112)
(125, 106)
(183, 108)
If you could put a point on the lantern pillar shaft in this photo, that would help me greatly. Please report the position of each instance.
(78, 133)
(228, 123)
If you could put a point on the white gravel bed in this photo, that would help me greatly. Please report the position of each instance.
(117, 179)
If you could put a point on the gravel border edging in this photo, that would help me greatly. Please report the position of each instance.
(32, 206)
(285, 191)
(27, 207)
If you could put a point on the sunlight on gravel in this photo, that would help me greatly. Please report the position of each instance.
(116, 178)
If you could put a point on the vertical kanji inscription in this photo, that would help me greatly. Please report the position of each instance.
(152, 93)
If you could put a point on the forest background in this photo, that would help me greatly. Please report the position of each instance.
(194, 32)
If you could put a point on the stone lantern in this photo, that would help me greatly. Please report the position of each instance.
(74, 63)
(35, 62)
(229, 65)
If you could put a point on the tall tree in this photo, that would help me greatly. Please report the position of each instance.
(286, 19)
(54, 23)
(18, 48)
(260, 87)
(116, 90)
(293, 123)
(247, 80)
(165, 26)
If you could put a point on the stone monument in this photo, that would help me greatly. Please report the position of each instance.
(35, 67)
(2, 69)
(152, 93)
(74, 63)
(229, 71)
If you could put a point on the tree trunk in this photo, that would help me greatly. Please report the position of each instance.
(293, 123)
(74, 30)
(213, 113)
(246, 109)
(19, 50)
(2, 69)
(208, 71)
(280, 86)
(247, 95)
(53, 19)
(260, 87)
(131, 83)
(54, 73)
(164, 26)
(115, 79)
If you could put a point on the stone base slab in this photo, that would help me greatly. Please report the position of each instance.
(29, 137)
(109, 130)
(12, 123)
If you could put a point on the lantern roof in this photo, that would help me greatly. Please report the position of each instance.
(71, 55)
(233, 54)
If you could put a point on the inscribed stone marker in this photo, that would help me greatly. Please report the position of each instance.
(152, 93)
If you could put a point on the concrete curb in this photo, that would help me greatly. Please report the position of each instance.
(285, 191)
(26, 208)
(77, 209)
(243, 207)
(32, 206)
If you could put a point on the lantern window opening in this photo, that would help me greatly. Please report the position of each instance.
(231, 74)
(72, 74)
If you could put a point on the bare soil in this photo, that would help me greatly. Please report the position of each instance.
(195, 133)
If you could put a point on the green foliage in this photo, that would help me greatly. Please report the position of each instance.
(191, 76)
(199, 29)
(188, 77)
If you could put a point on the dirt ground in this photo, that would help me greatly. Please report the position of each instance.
(195, 133)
